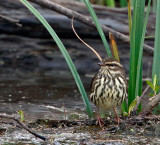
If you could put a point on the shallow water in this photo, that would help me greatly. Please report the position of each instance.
(39, 95)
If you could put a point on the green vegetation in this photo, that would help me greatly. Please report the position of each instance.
(154, 86)
(156, 58)
(139, 67)
(129, 17)
(135, 40)
(154, 5)
(131, 106)
(135, 76)
(123, 3)
(21, 115)
(110, 3)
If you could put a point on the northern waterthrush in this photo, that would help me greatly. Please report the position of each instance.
(109, 86)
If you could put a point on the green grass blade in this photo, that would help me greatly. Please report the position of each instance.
(65, 54)
(124, 107)
(141, 48)
(156, 58)
(111, 3)
(95, 19)
(129, 17)
(136, 35)
(132, 3)
(123, 3)
(154, 6)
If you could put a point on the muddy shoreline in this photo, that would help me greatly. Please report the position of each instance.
(130, 131)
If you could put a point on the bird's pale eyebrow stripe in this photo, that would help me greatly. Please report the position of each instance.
(115, 62)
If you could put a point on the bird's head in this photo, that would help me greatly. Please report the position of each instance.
(111, 65)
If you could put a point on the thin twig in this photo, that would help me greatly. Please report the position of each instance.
(23, 125)
(140, 98)
(96, 53)
(14, 21)
(87, 20)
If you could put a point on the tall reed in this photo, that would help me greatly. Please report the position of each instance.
(156, 58)
(141, 50)
(135, 40)
(154, 5)
(129, 17)
(111, 3)
(123, 3)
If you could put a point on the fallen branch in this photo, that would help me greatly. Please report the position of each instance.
(13, 117)
(87, 20)
(95, 6)
(151, 105)
(14, 21)
(140, 99)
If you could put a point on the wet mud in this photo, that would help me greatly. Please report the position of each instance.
(133, 130)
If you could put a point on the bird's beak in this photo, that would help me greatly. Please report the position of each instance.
(101, 64)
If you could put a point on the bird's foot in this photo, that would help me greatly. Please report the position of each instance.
(118, 120)
(100, 121)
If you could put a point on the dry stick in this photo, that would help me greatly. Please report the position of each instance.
(23, 125)
(140, 98)
(96, 53)
(95, 6)
(149, 107)
(14, 21)
(87, 20)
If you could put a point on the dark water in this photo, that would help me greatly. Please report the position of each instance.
(39, 94)
(34, 74)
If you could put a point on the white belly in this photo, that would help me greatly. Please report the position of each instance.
(111, 96)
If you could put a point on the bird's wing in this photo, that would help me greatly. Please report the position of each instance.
(93, 82)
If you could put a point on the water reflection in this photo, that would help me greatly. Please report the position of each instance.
(37, 92)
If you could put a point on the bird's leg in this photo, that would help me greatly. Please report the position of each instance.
(99, 120)
(117, 118)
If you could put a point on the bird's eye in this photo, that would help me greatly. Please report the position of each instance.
(111, 65)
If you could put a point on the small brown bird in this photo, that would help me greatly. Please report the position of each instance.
(109, 86)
